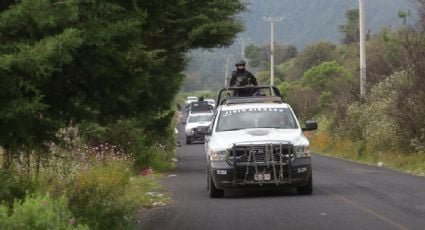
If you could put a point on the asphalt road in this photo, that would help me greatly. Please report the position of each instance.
(346, 196)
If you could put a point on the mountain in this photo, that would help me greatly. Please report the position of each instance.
(308, 21)
(304, 22)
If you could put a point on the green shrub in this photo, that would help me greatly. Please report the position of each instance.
(374, 120)
(39, 213)
(13, 186)
(150, 142)
(99, 198)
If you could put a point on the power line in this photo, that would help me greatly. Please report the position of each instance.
(304, 12)
(312, 26)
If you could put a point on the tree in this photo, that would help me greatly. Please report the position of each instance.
(321, 77)
(260, 56)
(99, 62)
(335, 86)
(29, 58)
(304, 100)
(253, 54)
(403, 15)
(312, 56)
(351, 31)
(283, 53)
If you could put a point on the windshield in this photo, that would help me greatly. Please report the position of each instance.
(193, 119)
(279, 118)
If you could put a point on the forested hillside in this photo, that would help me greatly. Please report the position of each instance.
(305, 22)
(321, 82)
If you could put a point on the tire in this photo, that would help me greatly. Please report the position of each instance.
(188, 141)
(306, 189)
(213, 192)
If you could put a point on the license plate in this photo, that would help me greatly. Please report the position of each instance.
(262, 177)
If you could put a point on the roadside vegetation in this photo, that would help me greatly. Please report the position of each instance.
(386, 127)
(87, 93)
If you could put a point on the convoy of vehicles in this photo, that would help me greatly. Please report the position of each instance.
(251, 142)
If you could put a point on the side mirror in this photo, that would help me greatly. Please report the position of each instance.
(184, 122)
(310, 126)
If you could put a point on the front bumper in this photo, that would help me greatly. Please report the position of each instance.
(261, 165)
(197, 134)
(196, 137)
(237, 178)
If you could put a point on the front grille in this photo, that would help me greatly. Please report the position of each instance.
(201, 129)
(261, 153)
(250, 159)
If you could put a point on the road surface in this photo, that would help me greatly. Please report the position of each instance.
(346, 196)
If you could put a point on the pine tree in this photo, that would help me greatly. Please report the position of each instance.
(99, 61)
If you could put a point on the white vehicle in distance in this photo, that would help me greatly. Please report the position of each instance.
(210, 102)
(200, 107)
(197, 126)
(189, 100)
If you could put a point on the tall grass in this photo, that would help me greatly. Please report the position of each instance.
(323, 143)
(98, 185)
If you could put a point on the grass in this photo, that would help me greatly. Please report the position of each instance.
(104, 193)
(152, 192)
(323, 144)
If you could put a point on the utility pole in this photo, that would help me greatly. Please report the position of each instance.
(363, 69)
(272, 21)
(226, 75)
(243, 44)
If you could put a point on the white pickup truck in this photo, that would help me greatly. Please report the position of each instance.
(257, 145)
(197, 126)
(189, 100)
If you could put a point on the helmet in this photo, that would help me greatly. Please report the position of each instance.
(241, 62)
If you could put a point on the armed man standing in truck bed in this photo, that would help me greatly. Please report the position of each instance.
(242, 77)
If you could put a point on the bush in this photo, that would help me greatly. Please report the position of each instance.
(13, 186)
(39, 213)
(100, 197)
(102, 189)
(388, 119)
(304, 100)
(153, 148)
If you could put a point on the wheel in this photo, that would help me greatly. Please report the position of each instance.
(213, 192)
(306, 189)
(188, 141)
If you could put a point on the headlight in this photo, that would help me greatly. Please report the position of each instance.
(218, 155)
(302, 151)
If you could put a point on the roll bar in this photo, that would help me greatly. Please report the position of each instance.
(251, 94)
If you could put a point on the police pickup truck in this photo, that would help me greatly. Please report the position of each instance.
(198, 120)
(196, 126)
(257, 143)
